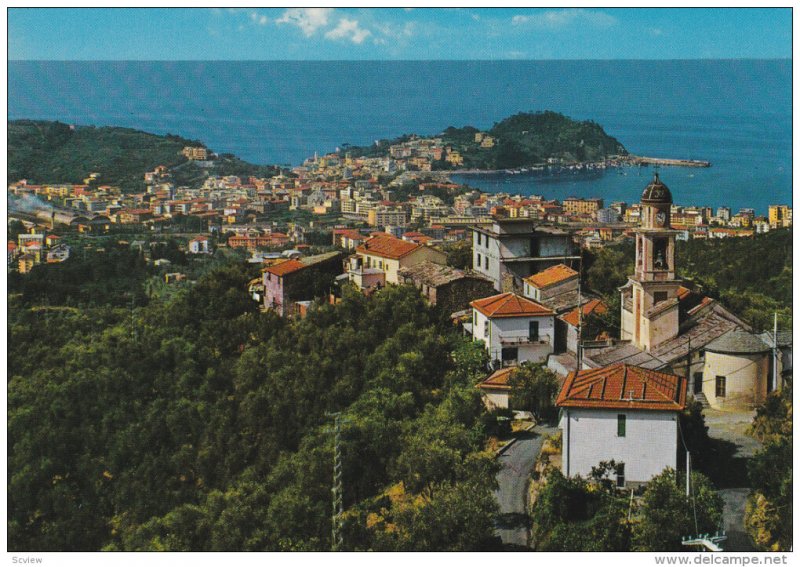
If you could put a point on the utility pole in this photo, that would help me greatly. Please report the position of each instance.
(689, 361)
(133, 328)
(337, 491)
(688, 473)
(775, 353)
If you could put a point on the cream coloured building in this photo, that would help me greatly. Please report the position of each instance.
(387, 253)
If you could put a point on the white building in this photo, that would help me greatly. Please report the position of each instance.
(513, 328)
(199, 245)
(513, 249)
(622, 413)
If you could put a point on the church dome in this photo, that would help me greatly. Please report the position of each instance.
(656, 192)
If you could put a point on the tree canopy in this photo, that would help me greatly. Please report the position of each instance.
(196, 422)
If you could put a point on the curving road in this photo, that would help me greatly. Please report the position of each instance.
(512, 480)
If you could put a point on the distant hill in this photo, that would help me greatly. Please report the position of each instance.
(531, 138)
(521, 140)
(52, 152)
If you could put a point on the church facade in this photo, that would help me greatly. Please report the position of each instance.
(668, 327)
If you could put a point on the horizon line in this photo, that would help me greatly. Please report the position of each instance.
(513, 60)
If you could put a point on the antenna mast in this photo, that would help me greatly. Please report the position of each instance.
(337, 539)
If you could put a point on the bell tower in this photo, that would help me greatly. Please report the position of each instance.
(650, 298)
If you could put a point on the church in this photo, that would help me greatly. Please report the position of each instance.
(665, 326)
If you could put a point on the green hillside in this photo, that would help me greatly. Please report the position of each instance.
(521, 140)
(52, 152)
(531, 138)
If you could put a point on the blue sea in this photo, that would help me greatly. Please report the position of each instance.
(734, 113)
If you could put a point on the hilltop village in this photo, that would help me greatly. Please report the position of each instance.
(505, 270)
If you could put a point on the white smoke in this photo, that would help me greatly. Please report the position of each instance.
(28, 203)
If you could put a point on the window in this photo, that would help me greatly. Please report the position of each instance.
(509, 355)
(659, 296)
(660, 260)
(479, 261)
(474, 318)
(486, 328)
(533, 330)
(621, 425)
(620, 475)
(720, 386)
(486, 262)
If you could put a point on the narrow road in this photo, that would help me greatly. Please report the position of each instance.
(517, 463)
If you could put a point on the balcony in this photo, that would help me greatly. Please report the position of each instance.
(525, 341)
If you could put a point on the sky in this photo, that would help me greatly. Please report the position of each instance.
(397, 33)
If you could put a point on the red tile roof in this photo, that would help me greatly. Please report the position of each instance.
(287, 267)
(509, 305)
(551, 276)
(622, 386)
(498, 380)
(350, 233)
(387, 246)
(593, 306)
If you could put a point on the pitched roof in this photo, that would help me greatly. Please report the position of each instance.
(593, 306)
(623, 386)
(387, 246)
(551, 276)
(498, 380)
(738, 341)
(509, 305)
(434, 274)
(287, 267)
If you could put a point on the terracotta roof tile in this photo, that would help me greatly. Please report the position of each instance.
(593, 306)
(623, 386)
(509, 305)
(387, 246)
(286, 267)
(498, 379)
(551, 276)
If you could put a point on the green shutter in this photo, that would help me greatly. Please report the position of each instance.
(621, 425)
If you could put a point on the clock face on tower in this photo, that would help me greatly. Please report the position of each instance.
(661, 218)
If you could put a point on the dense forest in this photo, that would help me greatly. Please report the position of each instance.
(196, 422)
(53, 152)
(522, 140)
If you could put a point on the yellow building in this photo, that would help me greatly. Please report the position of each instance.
(26, 263)
(195, 153)
(389, 254)
(780, 216)
(455, 158)
(574, 205)
(487, 142)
